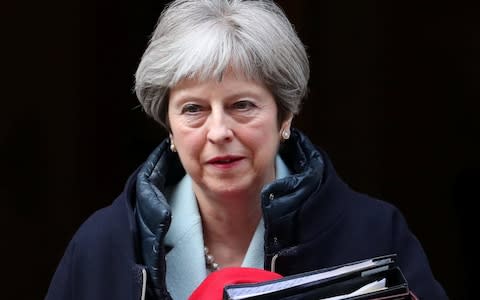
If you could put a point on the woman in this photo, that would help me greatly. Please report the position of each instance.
(234, 184)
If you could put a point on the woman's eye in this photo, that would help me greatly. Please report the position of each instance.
(243, 105)
(191, 108)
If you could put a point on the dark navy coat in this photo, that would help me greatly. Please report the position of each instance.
(312, 220)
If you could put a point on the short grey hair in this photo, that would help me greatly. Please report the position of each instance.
(202, 38)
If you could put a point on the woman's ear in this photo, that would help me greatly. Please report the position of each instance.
(285, 127)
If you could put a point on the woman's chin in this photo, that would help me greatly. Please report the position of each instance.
(231, 189)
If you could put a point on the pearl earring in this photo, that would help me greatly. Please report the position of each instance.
(172, 145)
(285, 134)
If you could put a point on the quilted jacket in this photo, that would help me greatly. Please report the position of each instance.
(312, 220)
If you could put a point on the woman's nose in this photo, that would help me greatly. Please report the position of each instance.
(219, 129)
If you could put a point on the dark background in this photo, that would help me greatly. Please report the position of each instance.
(393, 99)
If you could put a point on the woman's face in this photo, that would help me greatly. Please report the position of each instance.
(226, 133)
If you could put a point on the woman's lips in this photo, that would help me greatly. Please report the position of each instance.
(225, 162)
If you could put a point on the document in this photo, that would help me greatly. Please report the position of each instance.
(374, 278)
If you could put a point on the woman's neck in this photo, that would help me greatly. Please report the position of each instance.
(228, 226)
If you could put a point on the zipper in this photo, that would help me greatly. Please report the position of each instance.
(285, 252)
(276, 245)
(274, 262)
(144, 284)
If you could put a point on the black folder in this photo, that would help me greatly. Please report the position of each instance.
(375, 278)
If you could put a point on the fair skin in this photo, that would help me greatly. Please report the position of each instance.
(227, 135)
